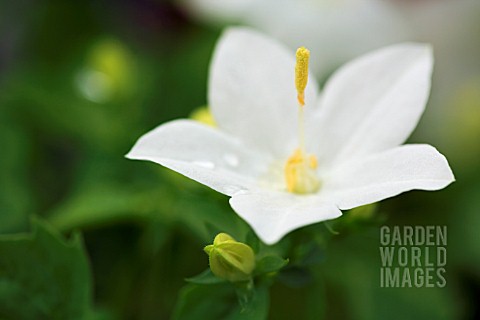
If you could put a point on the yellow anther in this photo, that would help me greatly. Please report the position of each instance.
(300, 175)
(313, 162)
(204, 116)
(301, 73)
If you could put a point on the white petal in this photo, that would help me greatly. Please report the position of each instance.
(387, 174)
(203, 154)
(252, 90)
(274, 214)
(373, 103)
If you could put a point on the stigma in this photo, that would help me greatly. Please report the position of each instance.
(301, 167)
(301, 73)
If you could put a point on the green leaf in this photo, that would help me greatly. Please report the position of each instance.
(270, 264)
(206, 277)
(295, 277)
(353, 269)
(205, 302)
(99, 205)
(16, 197)
(309, 254)
(253, 241)
(257, 307)
(219, 301)
(42, 276)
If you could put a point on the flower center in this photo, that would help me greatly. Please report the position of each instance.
(300, 173)
(300, 168)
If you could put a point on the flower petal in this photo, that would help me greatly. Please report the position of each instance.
(373, 103)
(203, 154)
(274, 214)
(252, 93)
(387, 174)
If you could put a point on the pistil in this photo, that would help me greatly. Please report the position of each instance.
(300, 168)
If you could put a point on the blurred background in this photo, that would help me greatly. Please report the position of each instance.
(80, 81)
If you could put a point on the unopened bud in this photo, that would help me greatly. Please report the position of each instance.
(230, 259)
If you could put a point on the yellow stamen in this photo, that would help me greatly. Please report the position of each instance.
(313, 162)
(301, 73)
(300, 173)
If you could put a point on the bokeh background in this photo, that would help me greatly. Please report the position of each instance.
(88, 234)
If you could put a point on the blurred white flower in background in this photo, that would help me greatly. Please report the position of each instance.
(344, 150)
(453, 29)
(336, 30)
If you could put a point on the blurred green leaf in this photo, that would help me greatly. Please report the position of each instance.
(219, 301)
(100, 205)
(256, 308)
(42, 276)
(463, 244)
(15, 198)
(295, 277)
(309, 254)
(205, 302)
(206, 277)
(353, 269)
(270, 264)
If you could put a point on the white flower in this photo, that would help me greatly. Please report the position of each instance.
(351, 154)
(338, 29)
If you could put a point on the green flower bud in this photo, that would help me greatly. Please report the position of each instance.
(229, 259)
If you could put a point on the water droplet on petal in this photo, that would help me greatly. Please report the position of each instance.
(232, 190)
(205, 164)
(231, 159)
